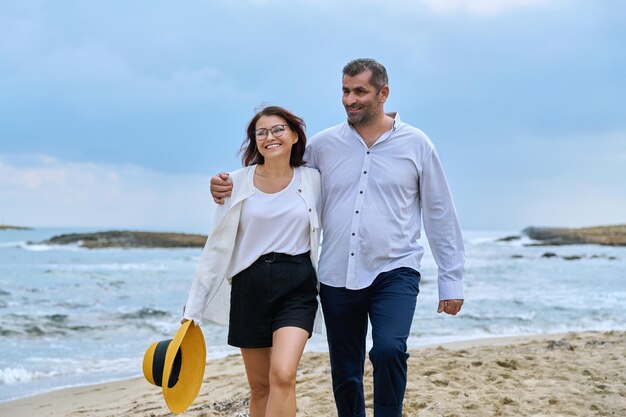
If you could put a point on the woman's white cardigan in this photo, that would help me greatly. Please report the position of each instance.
(209, 297)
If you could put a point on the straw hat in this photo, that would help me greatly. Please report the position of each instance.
(181, 361)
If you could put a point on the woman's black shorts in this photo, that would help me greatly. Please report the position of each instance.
(277, 290)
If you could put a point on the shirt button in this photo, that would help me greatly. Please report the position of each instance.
(357, 212)
(353, 234)
(368, 152)
(360, 192)
(310, 210)
(299, 190)
(365, 172)
(352, 254)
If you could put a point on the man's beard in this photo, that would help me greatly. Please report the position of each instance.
(363, 118)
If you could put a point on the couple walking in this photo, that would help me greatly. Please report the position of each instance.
(368, 183)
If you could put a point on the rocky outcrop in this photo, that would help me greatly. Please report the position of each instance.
(7, 227)
(129, 239)
(509, 238)
(599, 235)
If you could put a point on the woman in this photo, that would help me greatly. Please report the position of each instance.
(265, 242)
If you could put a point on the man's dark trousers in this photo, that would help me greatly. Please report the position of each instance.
(390, 303)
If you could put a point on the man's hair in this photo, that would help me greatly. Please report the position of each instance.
(379, 77)
(250, 151)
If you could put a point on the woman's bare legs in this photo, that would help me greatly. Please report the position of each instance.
(288, 345)
(272, 373)
(257, 363)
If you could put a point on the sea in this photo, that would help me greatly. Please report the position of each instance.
(71, 316)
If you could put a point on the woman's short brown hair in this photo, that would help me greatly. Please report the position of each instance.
(249, 149)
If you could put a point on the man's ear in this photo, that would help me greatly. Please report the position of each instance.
(384, 93)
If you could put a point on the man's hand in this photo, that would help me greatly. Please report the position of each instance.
(221, 187)
(451, 307)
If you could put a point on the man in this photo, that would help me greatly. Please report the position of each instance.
(380, 178)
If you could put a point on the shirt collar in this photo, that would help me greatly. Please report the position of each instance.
(397, 123)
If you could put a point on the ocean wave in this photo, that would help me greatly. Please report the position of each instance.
(144, 313)
(480, 240)
(41, 247)
(109, 267)
(60, 367)
(26, 326)
(72, 305)
(16, 244)
(58, 325)
(8, 332)
(20, 375)
(497, 316)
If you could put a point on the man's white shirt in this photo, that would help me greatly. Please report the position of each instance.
(374, 201)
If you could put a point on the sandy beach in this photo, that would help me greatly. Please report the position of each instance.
(549, 375)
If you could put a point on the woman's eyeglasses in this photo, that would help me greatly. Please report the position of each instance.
(276, 131)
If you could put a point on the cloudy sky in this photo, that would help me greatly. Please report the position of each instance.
(116, 113)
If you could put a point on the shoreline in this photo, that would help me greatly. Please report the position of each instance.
(508, 375)
(454, 344)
